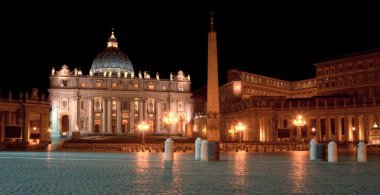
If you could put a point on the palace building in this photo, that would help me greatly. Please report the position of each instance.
(342, 103)
(114, 98)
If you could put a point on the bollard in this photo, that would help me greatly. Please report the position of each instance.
(332, 152)
(204, 150)
(198, 148)
(313, 149)
(362, 152)
(169, 150)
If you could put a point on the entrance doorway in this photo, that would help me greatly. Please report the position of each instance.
(65, 124)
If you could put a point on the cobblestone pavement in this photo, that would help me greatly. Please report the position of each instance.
(147, 173)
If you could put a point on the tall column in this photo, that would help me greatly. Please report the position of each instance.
(361, 128)
(25, 137)
(131, 115)
(356, 133)
(158, 116)
(109, 114)
(346, 128)
(2, 126)
(78, 113)
(141, 110)
(90, 126)
(257, 126)
(73, 114)
(118, 115)
(318, 129)
(308, 130)
(367, 126)
(328, 128)
(213, 115)
(104, 115)
(145, 107)
(54, 117)
(43, 129)
(188, 116)
(338, 132)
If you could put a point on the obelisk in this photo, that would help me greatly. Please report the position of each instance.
(213, 115)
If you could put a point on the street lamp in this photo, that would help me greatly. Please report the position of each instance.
(240, 127)
(143, 127)
(353, 133)
(299, 122)
(170, 119)
(375, 125)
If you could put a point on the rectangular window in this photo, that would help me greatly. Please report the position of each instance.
(125, 114)
(164, 88)
(114, 85)
(125, 105)
(136, 105)
(113, 105)
(83, 84)
(98, 84)
(151, 87)
(180, 86)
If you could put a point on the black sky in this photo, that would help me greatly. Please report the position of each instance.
(277, 40)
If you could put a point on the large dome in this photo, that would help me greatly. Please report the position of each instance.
(111, 59)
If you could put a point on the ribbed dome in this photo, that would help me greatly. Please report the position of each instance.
(111, 59)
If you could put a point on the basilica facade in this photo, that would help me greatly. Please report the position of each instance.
(113, 98)
(342, 103)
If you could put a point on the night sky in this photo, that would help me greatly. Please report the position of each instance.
(276, 40)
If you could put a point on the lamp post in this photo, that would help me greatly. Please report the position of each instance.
(240, 127)
(299, 122)
(353, 133)
(169, 120)
(143, 127)
(375, 125)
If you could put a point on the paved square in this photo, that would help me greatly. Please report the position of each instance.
(147, 173)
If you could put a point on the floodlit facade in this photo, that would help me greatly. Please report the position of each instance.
(114, 98)
(342, 103)
(24, 119)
